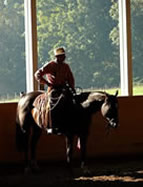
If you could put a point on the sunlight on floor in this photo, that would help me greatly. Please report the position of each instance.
(113, 178)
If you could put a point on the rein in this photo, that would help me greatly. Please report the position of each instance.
(55, 98)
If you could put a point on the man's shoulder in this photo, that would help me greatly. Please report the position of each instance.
(49, 63)
(65, 63)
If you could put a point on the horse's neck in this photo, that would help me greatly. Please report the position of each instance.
(95, 106)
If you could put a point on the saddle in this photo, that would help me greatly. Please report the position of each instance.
(43, 106)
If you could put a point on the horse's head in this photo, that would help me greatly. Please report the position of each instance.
(106, 102)
(109, 109)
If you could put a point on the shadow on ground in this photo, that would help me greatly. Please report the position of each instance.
(102, 173)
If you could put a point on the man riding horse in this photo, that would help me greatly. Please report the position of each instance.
(58, 74)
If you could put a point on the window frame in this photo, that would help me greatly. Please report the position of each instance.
(125, 48)
(31, 44)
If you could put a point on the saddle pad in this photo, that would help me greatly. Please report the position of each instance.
(44, 105)
(42, 110)
(40, 100)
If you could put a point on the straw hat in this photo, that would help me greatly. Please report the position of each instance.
(59, 51)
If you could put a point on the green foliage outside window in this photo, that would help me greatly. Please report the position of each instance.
(89, 31)
(83, 27)
(12, 48)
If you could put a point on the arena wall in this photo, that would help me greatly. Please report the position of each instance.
(127, 139)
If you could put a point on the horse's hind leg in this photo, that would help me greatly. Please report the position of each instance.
(26, 150)
(36, 133)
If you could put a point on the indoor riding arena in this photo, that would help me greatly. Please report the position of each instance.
(109, 58)
(114, 158)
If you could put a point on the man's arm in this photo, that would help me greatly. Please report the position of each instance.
(39, 74)
(39, 77)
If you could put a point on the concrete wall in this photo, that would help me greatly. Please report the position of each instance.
(126, 139)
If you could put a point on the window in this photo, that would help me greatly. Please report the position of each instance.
(88, 29)
(12, 49)
(137, 45)
(89, 32)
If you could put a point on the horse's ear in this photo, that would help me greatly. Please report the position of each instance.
(116, 93)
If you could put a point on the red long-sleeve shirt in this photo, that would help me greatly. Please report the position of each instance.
(57, 74)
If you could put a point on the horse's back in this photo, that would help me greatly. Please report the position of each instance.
(26, 101)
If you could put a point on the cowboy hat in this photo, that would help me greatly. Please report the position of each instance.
(59, 51)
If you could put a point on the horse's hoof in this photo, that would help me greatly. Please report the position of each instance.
(27, 171)
(69, 169)
(35, 169)
(86, 171)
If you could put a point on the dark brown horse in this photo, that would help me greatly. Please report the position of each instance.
(74, 114)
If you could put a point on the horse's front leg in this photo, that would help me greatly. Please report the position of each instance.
(69, 149)
(83, 143)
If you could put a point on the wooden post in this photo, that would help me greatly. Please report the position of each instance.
(30, 44)
(125, 48)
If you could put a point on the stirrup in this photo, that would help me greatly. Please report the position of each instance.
(53, 131)
(49, 131)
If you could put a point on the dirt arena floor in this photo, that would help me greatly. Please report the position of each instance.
(118, 172)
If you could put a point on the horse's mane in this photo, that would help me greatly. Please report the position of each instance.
(97, 95)
(94, 96)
